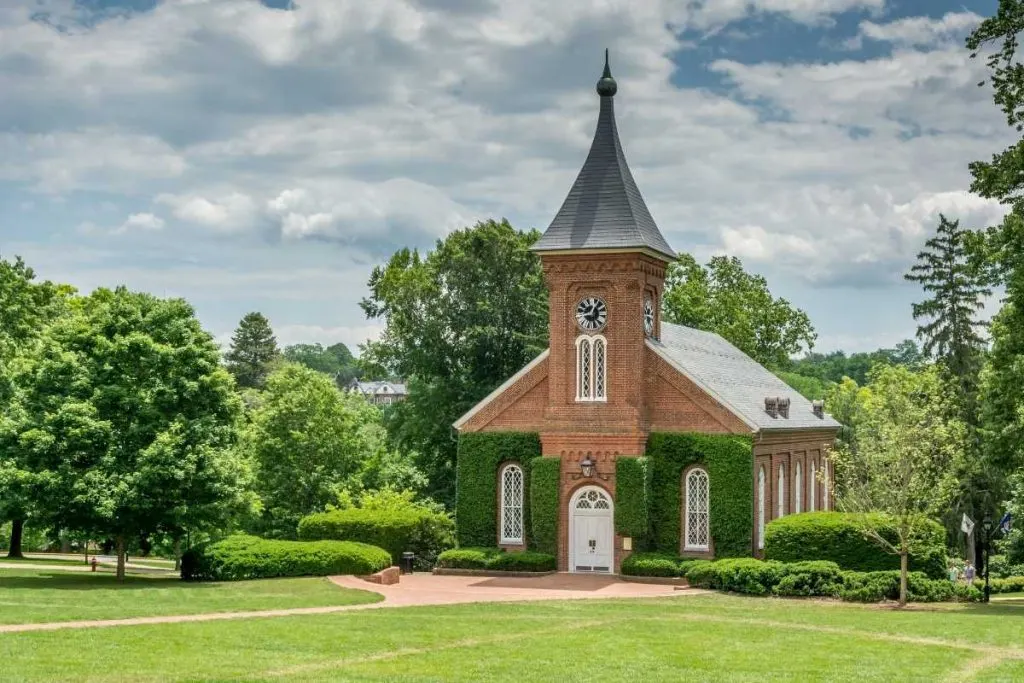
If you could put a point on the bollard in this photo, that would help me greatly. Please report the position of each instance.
(93, 564)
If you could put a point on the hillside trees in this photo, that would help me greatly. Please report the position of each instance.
(253, 350)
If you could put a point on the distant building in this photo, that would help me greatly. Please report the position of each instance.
(380, 393)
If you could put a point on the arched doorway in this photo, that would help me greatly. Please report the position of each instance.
(591, 538)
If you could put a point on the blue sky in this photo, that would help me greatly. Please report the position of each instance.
(264, 157)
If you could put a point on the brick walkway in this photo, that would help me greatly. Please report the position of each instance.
(417, 589)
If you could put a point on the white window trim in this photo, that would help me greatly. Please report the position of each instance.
(590, 340)
(814, 487)
(782, 490)
(763, 507)
(798, 488)
(686, 511)
(503, 505)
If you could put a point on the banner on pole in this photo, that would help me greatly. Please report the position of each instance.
(1005, 522)
(966, 525)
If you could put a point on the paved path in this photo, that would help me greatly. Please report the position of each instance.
(417, 589)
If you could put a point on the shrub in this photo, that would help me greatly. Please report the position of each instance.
(836, 537)
(496, 559)
(544, 480)
(651, 564)
(740, 575)
(480, 454)
(1001, 568)
(729, 460)
(685, 566)
(421, 531)
(815, 578)
(248, 557)
(1010, 584)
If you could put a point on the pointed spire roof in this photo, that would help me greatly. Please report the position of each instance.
(604, 208)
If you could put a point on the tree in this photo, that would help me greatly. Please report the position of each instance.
(458, 323)
(26, 307)
(834, 366)
(335, 360)
(723, 298)
(253, 350)
(309, 442)
(130, 421)
(905, 459)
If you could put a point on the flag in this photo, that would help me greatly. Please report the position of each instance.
(966, 525)
(1004, 523)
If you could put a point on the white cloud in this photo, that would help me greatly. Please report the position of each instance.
(231, 212)
(140, 222)
(921, 31)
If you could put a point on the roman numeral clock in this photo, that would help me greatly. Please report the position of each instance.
(591, 313)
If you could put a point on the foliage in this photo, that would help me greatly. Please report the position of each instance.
(906, 460)
(834, 366)
(723, 298)
(1000, 567)
(652, 564)
(632, 493)
(741, 575)
(424, 532)
(253, 350)
(730, 463)
(545, 474)
(335, 360)
(837, 537)
(241, 557)
(130, 422)
(496, 559)
(480, 456)
(1007, 584)
(810, 388)
(457, 322)
(310, 442)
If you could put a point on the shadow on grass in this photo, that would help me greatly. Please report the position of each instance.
(66, 581)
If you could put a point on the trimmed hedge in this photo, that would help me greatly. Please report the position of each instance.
(545, 474)
(480, 455)
(729, 460)
(496, 559)
(631, 499)
(651, 564)
(248, 557)
(1010, 584)
(423, 532)
(836, 537)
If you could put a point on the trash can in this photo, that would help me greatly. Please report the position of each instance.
(407, 558)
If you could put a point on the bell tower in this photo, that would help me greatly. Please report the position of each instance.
(604, 262)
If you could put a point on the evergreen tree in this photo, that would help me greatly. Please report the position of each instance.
(950, 329)
(253, 350)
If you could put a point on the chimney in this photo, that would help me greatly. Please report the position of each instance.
(818, 407)
(783, 404)
(771, 406)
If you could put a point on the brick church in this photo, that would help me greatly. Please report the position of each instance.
(615, 374)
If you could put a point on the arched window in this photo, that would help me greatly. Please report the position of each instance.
(782, 490)
(798, 488)
(697, 534)
(591, 368)
(762, 508)
(814, 486)
(511, 504)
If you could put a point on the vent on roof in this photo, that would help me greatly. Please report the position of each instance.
(818, 407)
(783, 404)
(771, 406)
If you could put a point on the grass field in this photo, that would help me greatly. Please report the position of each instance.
(698, 638)
(42, 559)
(31, 596)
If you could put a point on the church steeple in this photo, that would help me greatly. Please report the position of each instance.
(604, 209)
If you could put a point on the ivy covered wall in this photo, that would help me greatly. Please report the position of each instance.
(729, 460)
(544, 479)
(480, 455)
(632, 500)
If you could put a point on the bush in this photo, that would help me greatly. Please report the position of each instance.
(496, 559)
(421, 531)
(1000, 567)
(836, 537)
(739, 575)
(248, 557)
(815, 578)
(651, 564)
(544, 480)
(1010, 584)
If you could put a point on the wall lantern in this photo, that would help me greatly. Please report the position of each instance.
(588, 469)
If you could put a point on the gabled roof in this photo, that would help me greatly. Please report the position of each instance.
(733, 378)
(380, 387)
(604, 208)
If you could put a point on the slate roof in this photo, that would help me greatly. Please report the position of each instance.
(373, 388)
(604, 208)
(735, 379)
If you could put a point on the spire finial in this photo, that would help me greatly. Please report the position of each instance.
(606, 87)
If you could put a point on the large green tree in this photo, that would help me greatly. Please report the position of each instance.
(723, 298)
(310, 443)
(253, 351)
(835, 365)
(129, 420)
(335, 360)
(458, 322)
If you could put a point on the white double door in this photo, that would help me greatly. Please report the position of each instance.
(590, 531)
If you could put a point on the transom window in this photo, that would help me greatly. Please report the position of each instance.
(593, 500)
(697, 536)
(512, 504)
(782, 490)
(762, 508)
(798, 489)
(591, 368)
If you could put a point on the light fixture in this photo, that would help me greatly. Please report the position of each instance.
(588, 469)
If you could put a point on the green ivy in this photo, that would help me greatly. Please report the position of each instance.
(544, 479)
(479, 457)
(729, 460)
(631, 499)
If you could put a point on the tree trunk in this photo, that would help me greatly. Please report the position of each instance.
(86, 546)
(120, 558)
(177, 554)
(17, 528)
(904, 557)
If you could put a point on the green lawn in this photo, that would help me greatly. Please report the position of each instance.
(39, 559)
(34, 595)
(698, 638)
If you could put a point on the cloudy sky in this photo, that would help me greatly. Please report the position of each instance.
(254, 156)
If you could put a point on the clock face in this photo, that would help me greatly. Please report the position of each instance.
(648, 315)
(591, 313)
